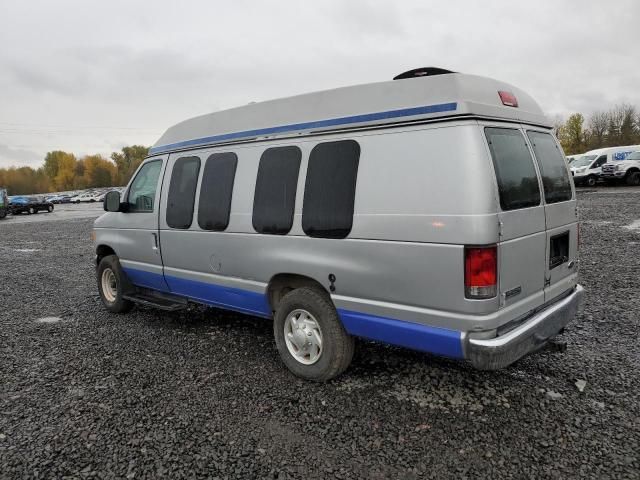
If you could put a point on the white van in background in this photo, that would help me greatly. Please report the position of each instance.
(626, 170)
(588, 168)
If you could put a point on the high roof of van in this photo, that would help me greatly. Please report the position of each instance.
(425, 98)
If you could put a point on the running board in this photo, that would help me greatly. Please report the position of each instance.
(161, 302)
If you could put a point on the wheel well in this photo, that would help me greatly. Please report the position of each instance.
(102, 251)
(283, 283)
(632, 170)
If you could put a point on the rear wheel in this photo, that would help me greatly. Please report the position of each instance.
(32, 210)
(310, 337)
(633, 179)
(111, 283)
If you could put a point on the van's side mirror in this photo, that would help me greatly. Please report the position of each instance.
(112, 201)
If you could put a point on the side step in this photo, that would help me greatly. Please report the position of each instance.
(168, 303)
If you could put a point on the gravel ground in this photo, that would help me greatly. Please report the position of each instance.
(202, 393)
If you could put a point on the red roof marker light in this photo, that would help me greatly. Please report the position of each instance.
(508, 99)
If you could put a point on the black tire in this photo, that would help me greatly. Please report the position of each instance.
(337, 344)
(3, 212)
(591, 181)
(50, 208)
(31, 211)
(633, 179)
(119, 304)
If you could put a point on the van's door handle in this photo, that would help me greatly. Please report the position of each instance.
(154, 245)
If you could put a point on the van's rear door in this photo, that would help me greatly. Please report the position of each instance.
(522, 247)
(560, 213)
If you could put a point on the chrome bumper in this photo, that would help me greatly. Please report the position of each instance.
(499, 352)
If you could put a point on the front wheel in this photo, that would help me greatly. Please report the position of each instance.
(50, 208)
(310, 337)
(591, 181)
(633, 179)
(111, 283)
(32, 211)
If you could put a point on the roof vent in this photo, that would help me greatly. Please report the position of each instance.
(422, 72)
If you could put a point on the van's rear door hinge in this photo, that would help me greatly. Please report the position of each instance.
(547, 281)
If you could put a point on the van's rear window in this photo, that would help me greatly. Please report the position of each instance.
(517, 180)
(555, 178)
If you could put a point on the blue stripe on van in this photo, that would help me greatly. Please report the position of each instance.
(367, 117)
(230, 298)
(154, 281)
(440, 341)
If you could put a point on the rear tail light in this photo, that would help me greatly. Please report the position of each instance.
(508, 99)
(480, 272)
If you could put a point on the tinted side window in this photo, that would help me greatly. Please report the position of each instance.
(142, 192)
(182, 192)
(600, 161)
(517, 180)
(555, 178)
(214, 205)
(275, 194)
(330, 189)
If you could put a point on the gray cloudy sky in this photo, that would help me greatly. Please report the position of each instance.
(93, 76)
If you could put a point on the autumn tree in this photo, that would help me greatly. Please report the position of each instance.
(571, 134)
(98, 171)
(65, 178)
(128, 160)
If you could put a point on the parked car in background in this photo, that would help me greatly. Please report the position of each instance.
(85, 198)
(572, 158)
(30, 205)
(588, 168)
(4, 203)
(627, 170)
(55, 199)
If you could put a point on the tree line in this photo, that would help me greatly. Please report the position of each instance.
(63, 171)
(616, 127)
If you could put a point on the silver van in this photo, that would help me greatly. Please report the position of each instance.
(435, 212)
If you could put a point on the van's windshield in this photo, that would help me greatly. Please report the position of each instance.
(583, 161)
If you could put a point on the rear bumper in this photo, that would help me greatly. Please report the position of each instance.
(499, 352)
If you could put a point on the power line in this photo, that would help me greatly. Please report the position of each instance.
(74, 127)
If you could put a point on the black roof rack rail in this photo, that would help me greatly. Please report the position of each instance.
(423, 72)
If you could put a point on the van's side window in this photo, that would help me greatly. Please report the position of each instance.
(517, 180)
(182, 192)
(330, 189)
(214, 206)
(142, 192)
(555, 179)
(275, 194)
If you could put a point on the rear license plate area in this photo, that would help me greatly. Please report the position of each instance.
(558, 250)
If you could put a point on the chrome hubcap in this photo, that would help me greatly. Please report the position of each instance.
(109, 285)
(303, 337)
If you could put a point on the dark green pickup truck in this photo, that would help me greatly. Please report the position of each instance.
(4, 203)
